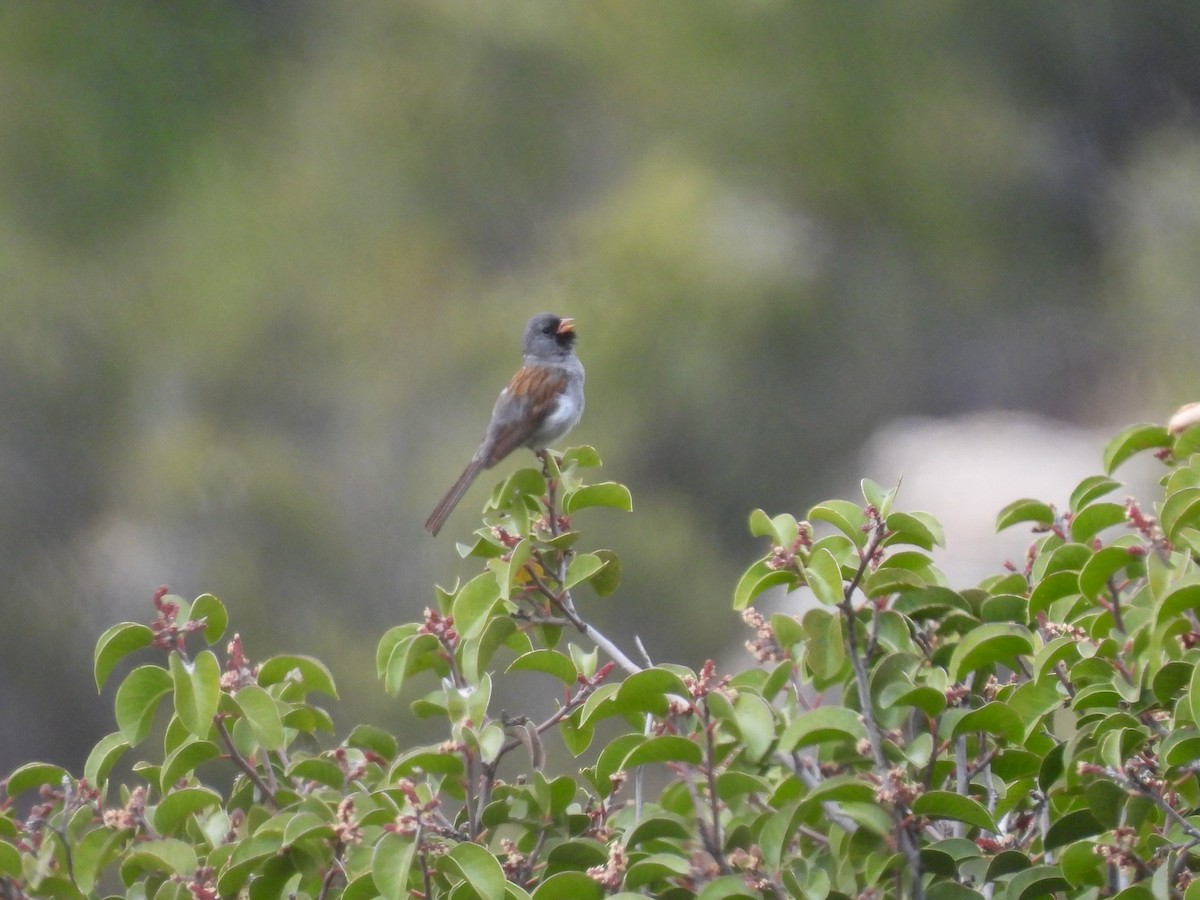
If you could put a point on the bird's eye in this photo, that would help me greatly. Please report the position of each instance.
(550, 328)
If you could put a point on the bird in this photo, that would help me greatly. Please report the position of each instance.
(542, 402)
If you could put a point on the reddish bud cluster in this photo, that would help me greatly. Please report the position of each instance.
(441, 627)
(612, 873)
(708, 682)
(763, 646)
(238, 670)
(345, 829)
(1146, 526)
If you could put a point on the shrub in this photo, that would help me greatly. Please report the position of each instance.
(1035, 735)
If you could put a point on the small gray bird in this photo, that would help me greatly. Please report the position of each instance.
(541, 404)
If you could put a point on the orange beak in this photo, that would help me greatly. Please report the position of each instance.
(566, 325)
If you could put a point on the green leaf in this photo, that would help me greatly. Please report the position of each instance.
(824, 649)
(413, 654)
(828, 723)
(35, 775)
(184, 759)
(1091, 488)
(1025, 510)
(569, 886)
(214, 614)
(1180, 510)
(96, 850)
(477, 867)
(1072, 827)
(582, 568)
(1037, 881)
(1095, 518)
(390, 864)
(758, 578)
(949, 805)
(103, 757)
(989, 644)
(994, 718)
(783, 529)
(649, 691)
(877, 497)
(608, 579)
(1133, 440)
(549, 661)
(197, 691)
(10, 860)
(664, 748)
(606, 493)
(1184, 597)
(824, 577)
(1103, 565)
(117, 643)
(310, 673)
(137, 700)
(918, 529)
(474, 602)
(1081, 865)
(262, 715)
(181, 803)
(846, 517)
(167, 856)
(583, 456)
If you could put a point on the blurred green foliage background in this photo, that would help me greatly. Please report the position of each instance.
(264, 267)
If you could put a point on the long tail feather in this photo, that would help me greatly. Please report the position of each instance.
(442, 511)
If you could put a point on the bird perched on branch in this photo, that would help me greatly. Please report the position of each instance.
(542, 402)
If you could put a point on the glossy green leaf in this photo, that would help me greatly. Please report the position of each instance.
(782, 529)
(96, 850)
(824, 577)
(117, 643)
(1091, 489)
(1082, 866)
(197, 691)
(307, 671)
(582, 568)
(1095, 518)
(949, 805)
(1134, 440)
(846, 517)
(1180, 510)
(664, 748)
(182, 761)
(103, 757)
(411, 655)
(35, 775)
(824, 649)
(605, 493)
(994, 718)
(830, 723)
(987, 645)
(477, 867)
(1072, 827)
(649, 691)
(568, 886)
(918, 529)
(212, 611)
(166, 856)
(137, 700)
(1103, 565)
(549, 661)
(180, 803)
(608, 579)
(1037, 881)
(262, 715)
(10, 860)
(474, 602)
(875, 495)
(1183, 598)
(1025, 510)
(391, 863)
(758, 578)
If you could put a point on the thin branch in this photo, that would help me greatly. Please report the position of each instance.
(244, 764)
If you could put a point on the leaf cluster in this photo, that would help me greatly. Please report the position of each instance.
(1035, 735)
